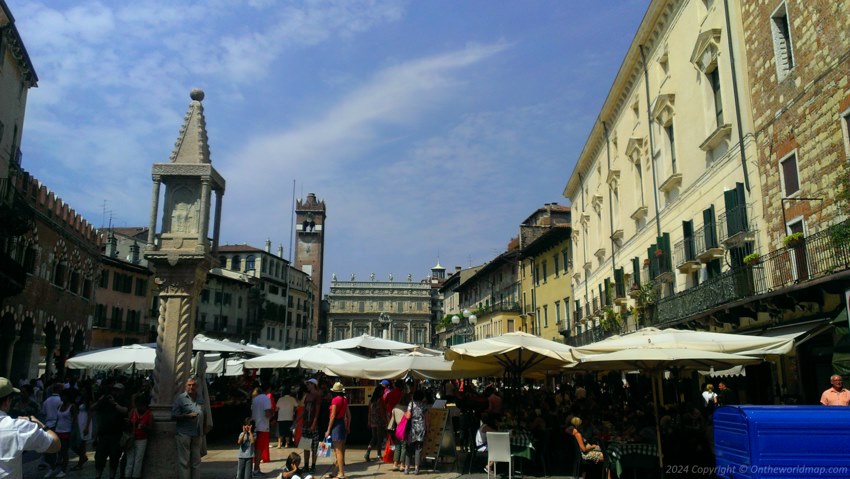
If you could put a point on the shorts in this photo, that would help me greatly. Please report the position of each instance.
(313, 436)
(284, 429)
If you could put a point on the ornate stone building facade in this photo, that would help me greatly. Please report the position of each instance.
(397, 310)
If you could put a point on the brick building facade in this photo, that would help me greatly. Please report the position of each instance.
(52, 317)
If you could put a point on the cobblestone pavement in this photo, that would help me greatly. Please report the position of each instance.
(220, 463)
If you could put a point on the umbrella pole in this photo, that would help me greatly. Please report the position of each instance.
(657, 418)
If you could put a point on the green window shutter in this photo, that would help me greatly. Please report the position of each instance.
(636, 270)
(607, 292)
(710, 227)
(688, 234)
(620, 283)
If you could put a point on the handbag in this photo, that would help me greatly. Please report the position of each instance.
(305, 443)
(324, 449)
(401, 429)
(127, 441)
(388, 452)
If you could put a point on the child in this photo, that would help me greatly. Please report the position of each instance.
(246, 449)
(291, 469)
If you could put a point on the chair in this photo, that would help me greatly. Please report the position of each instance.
(499, 450)
(575, 462)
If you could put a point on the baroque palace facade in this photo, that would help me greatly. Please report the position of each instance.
(397, 310)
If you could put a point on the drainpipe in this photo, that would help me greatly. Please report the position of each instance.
(735, 93)
(610, 199)
(651, 144)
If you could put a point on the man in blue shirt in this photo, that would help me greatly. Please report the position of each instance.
(188, 413)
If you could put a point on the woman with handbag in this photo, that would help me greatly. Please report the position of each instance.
(338, 428)
(141, 421)
(416, 428)
(397, 417)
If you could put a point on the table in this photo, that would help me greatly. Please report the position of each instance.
(615, 452)
(522, 444)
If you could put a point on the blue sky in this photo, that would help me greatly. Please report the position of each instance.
(430, 128)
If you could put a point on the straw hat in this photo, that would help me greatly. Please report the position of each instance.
(337, 388)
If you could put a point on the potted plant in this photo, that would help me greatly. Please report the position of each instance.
(793, 240)
(659, 252)
(646, 261)
(752, 259)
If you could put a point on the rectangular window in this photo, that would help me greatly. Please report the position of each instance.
(217, 299)
(567, 311)
(790, 178)
(117, 318)
(671, 142)
(557, 312)
(205, 296)
(557, 268)
(361, 307)
(104, 279)
(845, 127)
(545, 315)
(780, 28)
(399, 307)
(545, 270)
(141, 287)
(714, 81)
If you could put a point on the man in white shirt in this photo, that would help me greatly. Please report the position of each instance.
(261, 412)
(285, 414)
(19, 435)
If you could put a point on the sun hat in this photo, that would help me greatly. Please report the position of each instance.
(385, 382)
(6, 388)
(337, 388)
(313, 381)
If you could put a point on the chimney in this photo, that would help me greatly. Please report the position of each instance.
(111, 246)
(280, 251)
(268, 246)
(457, 269)
(134, 253)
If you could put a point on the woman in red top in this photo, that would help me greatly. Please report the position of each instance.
(338, 428)
(141, 420)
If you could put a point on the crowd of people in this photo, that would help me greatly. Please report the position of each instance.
(63, 418)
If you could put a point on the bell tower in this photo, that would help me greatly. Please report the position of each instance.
(310, 249)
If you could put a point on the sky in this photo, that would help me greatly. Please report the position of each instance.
(431, 129)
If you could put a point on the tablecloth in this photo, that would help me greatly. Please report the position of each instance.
(615, 451)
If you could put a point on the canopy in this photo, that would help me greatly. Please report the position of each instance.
(203, 343)
(656, 358)
(681, 338)
(310, 357)
(139, 356)
(517, 353)
(369, 342)
(250, 349)
(414, 364)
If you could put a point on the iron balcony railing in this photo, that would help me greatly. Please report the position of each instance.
(821, 254)
(500, 307)
(735, 223)
(586, 337)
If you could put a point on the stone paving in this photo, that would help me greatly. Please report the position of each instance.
(220, 463)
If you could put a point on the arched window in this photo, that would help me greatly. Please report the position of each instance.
(222, 261)
(249, 263)
(236, 263)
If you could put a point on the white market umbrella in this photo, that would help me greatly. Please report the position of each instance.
(654, 360)
(203, 343)
(369, 342)
(250, 349)
(310, 357)
(682, 338)
(138, 356)
(414, 364)
(516, 353)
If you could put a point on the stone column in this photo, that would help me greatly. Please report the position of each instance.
(179, 289)
(205, 217)
(217, 222)
(154, 208)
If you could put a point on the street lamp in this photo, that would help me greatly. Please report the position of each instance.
(467, 330)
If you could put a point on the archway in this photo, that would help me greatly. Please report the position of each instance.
(7, 343)
(24, 352)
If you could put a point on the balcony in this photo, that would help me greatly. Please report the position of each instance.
(735, 226)
(705, 244)
(586, 337)
(683, 253)
(500, 307)
(822, 254)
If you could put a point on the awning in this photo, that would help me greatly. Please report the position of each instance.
(800, 332)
